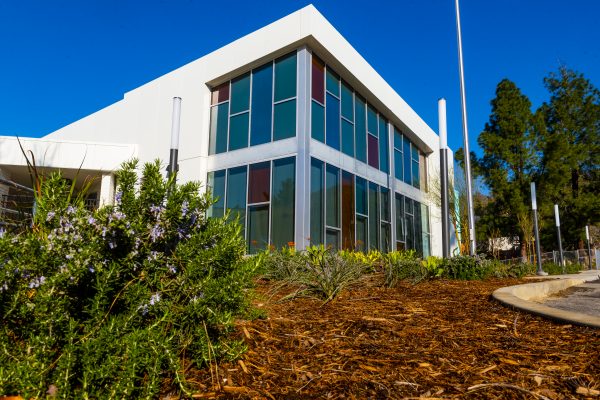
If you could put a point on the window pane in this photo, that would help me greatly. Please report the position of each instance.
(400, 218)
(347, 103)
(332, 239)
(259, 182)
(285, 77)
(332, 108)
(423, 172)
(386, 237)
(316, 201)
(348, 215)
(361, 196)
(418, 229)
(333, 82)
(372, 121)
(416, 182)
(283, 202)
(216, 183)
(361, 130)
(414, 151)
(318, 79)
(240, 94)
(258, 228)
(409, 223)
(373, 217)
(220, 93)
(347, 138)
(219, 119)
(238, 131)
(373, 151)
(398, 164)
(285, 120)
(425, 227)
(361, 233)
(236, 194)
(262, 104)
(385, 204)
(332, 195)
(397, 139)
(406, 155)
(383, 146)
(318, 122)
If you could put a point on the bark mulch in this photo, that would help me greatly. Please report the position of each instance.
(437, 339)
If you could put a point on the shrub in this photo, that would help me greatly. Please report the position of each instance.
(401, 265)
(465, 267)
(434, 266)
(555, 269)
(372, 259)
(104, 304)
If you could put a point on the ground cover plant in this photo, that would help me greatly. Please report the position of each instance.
(116, 302)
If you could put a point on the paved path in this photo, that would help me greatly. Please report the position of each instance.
(584, 298)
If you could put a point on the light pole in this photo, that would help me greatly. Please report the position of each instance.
(560, 249)
(173, 154)
(444, 177)
(587, 237)
(463, 102)
(540, 271)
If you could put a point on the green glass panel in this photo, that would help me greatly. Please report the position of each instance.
(361, 196)
(238, 131)
(240, 94)
(285, 77)
(332, 129)
(400, 218)
(347, 103)
(316, 201)
(372, 121)
(219, 119)
(418, 229)
(332, 239)
(262, 105)
(361, 233)
(384, 159)
(284, 125)
(416, 180)
(318, 121)
(397, 139)
(361, 130)
(347, 138)
(236, 194)
(283, 201)
(385, 204)
(425, 228)
(373, 217)
(332, 82)
(398, 165)
(406, 157)
(216, 183)
(409, 223)
(386, 238)
(332, 195)
(258, 228)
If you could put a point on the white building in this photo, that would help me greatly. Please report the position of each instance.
(330, 152)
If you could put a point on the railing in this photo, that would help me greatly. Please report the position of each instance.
(580, 256)
(16, 206)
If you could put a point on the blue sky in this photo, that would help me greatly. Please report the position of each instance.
(64, 59)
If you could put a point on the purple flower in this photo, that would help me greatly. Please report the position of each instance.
(112, 244)
(50, 215)
(2, 232)
(69, 256)
(154, 299)
(156, 233)
(3, 287)
(118, 197)
(153, 256)
(70, 210)
(37, 282)
(91, 269)
(172, 269)
(184, 208)
(91, 220)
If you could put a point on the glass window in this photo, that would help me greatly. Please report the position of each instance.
(220, 94)
(318, 80)
(348, 215)
(425, 228)
(385, 204)
(383, 146)
(386, 237)
(318, 122)
(285, 77)
(361, 233)
(283, 201)
(418, 229)
(416, 180)
(285, 120)
(216, 183)
(332, 239)
(316, 201)
(236, 194)
(372, 121)
(333, 82)
(240, 94)
(361, 129)
(259, 182)
(373, 151)
(397, 139)
(361, 196)
(373, 217)
(400, 231)
(347, 138)
(406, 154)
(219, 118)
(347, 103)
(238, 131)
(258, 228)
(332, 129)
(423, 172)
(398, 164)
(262, 105)
(332, 196)
(408, 210)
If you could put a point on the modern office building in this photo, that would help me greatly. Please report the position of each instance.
(289, 126)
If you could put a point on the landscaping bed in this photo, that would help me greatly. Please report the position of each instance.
(437, 339)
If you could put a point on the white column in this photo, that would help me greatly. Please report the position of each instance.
(302, 217)
(107, 190)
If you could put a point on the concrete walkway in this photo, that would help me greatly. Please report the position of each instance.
(569, 307)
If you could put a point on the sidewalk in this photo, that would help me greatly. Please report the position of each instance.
(530, 297)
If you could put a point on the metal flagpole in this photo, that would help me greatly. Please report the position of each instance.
(463, 102)
(538, 252)
(173, 154)
(560, 249)
(444, 177)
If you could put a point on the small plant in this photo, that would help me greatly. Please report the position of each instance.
(372, 259)
(434, 266)
(555, 269)
(464, 267)
(401, 265)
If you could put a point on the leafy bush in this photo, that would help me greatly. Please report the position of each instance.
(555, 269)
(434, 266)
(108, 304)
(465, 267)
(372, 259)
(401, 265)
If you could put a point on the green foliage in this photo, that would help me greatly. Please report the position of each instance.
(373, 259)
(434, 266)
(555, 269)
(403, 265)
(104, 304)
(464, 268)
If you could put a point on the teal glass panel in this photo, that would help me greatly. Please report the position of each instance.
(384, 158)
(385, 204)
(414, 151)
(236, 194)
(361, 129)
(347, 103)
(386, 237)
(317, 127)
(238, 131)
(361, 196)
(332, 129)
(332, 195)
(285, 77)
(347, 138)
(332, 82)
(400, 218)
(397, 139)
(373, 217)
(332, 239)
(240, 94)
(284, 125)
(317, 186)
(262, 105)
(406, 156)
(425, 229)
(418, 229)
(409, 223)
(283, 201)
(219, 123)
(216, 183)
(258, 228)
(372, 121)
(416, 180)
(398, 163)
(361, 233)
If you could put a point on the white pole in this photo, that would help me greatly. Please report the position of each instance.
(173, 154)
(560, 249)
(444, 178)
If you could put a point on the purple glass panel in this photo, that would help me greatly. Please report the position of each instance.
(259, 183)
(373, 151)
(220, 93)
(318, 80)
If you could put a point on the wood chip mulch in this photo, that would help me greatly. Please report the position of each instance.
(437, 339)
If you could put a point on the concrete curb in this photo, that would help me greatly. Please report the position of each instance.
(524, 297)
